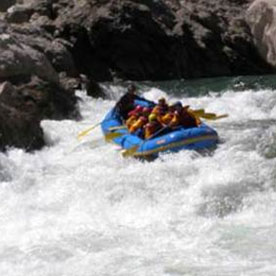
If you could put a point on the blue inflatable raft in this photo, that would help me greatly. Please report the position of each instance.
(195, 138)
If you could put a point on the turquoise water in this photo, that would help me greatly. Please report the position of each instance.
(79, 208)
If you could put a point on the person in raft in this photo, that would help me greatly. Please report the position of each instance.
(152, 126)
(184, 117)
(161, 108)
(126, 102)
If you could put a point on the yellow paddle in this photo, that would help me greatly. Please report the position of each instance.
(85, 132)
(129, 152)
(117, 128)
(213, 116)
(209, 116)
(112, 135)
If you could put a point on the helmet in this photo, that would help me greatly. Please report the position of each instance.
(152, 117)
(146, 110)
(162, 100)
(138, 108)
(131, 88)
(143, 119)
(178, 104)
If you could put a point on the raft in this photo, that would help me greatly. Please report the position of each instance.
(195, 138)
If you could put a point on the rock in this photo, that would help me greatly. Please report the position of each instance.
(51, 100)
(5, 4)
(19, 14)
(159, 40)
(23, 107)
(19, 60)
(18, 127)
(261, 17)
(60, 57)
(82, 82)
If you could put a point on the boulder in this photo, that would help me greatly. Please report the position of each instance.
(159, 40)
(60, 57)
(261, 17)
(19, 127)
(5, 4)
(19, 14)
(20, 61)
(23, 107)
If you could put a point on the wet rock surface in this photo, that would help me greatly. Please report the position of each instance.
(261, 17)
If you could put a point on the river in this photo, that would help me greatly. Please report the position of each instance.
(78, 208)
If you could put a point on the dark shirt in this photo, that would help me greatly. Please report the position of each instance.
(127, 103)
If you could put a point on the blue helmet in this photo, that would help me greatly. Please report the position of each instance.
(177, 104)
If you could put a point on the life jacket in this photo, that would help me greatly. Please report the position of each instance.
(196, 118)
(166, 119)
(176, 120)
(138, 124)
(160, 109)
(151, 128)
(131, 120)
(187, 119)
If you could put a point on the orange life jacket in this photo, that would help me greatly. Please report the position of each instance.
(176, 120)
(138, 124)
(187, 119)
(131, 120)
(166, 119)
(151, 128)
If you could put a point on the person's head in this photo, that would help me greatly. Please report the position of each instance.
(177, 105)
(171, 108)
(131, 88)
(146, 111)
(152, 117)
(139, 108)
(143, 119)
(162, 101)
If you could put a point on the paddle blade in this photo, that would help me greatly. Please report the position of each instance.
(130, 152)
(117, 127)
(112, 135)
(222, 116)
(85, 132)
(197, 112)
(213, 116)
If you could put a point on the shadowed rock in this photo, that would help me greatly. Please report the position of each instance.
(261, 17)
(19, 123)
(20, 60)
(23, 107)
(5, 4)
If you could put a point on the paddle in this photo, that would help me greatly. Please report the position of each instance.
(112, 135)
(197, 111)
(213, 116)
(85, 132)
(130, 151)
(117, 128)
(209, 116)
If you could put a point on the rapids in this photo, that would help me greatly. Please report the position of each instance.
(80, 209)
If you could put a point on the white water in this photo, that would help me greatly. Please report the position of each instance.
(80, 209)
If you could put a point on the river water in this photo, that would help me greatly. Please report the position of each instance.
(80, 209)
